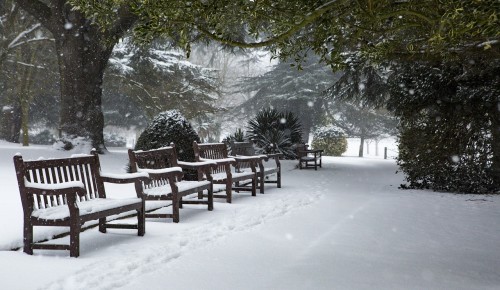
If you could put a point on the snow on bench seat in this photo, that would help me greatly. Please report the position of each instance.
(85, 207)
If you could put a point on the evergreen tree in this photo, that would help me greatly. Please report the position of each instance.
(288, 88)
(448, 135)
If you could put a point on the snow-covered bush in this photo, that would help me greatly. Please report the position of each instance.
(168, 127)
(44, 137)
(114, 140)
(331, 139)
(275, 132)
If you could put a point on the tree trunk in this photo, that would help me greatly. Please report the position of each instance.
(81, 66)
(495, 146)
(361, 149)
(10, 121)
(83, 51)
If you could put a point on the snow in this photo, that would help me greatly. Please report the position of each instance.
(344, 226)
(53, 186)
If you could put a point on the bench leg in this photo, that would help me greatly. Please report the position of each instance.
(28, 237)
(175, 208)
(278, 177)
(141, 221)
(74, 239)
(229, 191)
(211, 198)
(180, 202)
(261, 183)
(102, 225)
(254, 185)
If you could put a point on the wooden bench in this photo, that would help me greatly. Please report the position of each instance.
(68, 192)
(265, 166)
(225, 171)
(166, 182)
(308, 158)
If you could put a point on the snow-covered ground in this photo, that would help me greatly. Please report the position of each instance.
(345, 226)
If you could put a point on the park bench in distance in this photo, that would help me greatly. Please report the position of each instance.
(308, 158)
(265, 166)
(68, 192)
(225, 172)
(166, 182)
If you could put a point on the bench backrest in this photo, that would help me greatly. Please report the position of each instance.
(164, 157)
(211, 151)
(300, 150)
(242, 148)
(84, 168)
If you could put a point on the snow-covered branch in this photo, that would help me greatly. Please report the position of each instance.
(23, 34)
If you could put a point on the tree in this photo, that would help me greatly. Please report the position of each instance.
(332, 29)
(447, 129)
(23, 47)
(357, 103)
(83, 51)
(299, 91)
(158, 79)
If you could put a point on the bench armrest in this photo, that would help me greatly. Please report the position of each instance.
(125, 177)
(223, 161)
(62, 188)
(168, 172)
(197, 165)
(245, 158)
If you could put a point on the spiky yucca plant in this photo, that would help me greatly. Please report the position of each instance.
(275, 132)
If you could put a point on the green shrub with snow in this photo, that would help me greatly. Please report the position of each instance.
(168, 127)
(331, 139)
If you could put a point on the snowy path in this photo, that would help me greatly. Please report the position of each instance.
(345, 226)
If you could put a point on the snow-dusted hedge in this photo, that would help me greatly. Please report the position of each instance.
(331, 139)
(168, 127)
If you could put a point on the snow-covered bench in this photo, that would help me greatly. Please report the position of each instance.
(308, 158)
(225, 172)
(166, 181)
(68, 192)
(266, 166)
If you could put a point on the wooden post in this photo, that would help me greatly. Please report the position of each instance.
(385, 152)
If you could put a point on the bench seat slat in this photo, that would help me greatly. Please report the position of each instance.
(85, 208)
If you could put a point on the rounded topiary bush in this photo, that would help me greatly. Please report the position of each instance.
(168, 127)
(331, 139)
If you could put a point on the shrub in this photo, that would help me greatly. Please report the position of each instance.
(44, 137)
(275, 132)
(168, 127)
(114, 140)
(331, 139)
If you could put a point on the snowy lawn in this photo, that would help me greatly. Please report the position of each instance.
(345, 226)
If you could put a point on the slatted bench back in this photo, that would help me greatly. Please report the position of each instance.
(211, 151)
(244, 149)
(54, 171)
(164, 157)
